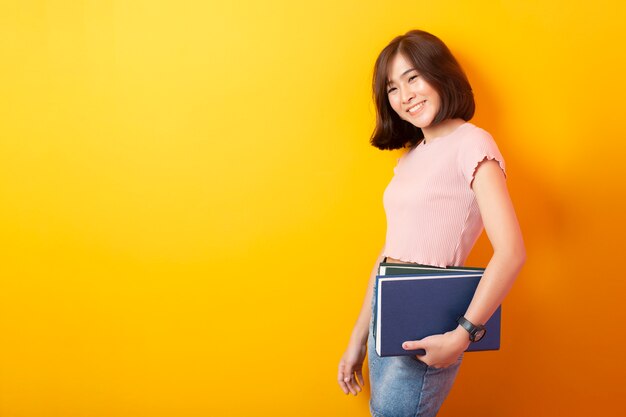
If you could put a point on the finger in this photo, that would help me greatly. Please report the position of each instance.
(423, 359)
(345, 379)
(354, 381)
(341, 382)
(359, 376)
(355, 384)
(413, 344)
(349, 383)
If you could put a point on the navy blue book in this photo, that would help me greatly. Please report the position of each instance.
(411, 307)
(387, 268)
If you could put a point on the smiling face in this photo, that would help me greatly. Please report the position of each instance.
(409, 94)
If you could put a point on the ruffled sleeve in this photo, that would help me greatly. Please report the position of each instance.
(476, 148)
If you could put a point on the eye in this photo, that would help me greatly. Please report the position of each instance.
(391, 90)
(413, 77)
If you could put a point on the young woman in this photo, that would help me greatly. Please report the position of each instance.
(447, 186)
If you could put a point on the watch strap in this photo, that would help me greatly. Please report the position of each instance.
(471, 328)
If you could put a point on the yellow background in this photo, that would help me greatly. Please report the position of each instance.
(182, 185)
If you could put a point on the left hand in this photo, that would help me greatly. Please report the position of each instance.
(442, 350)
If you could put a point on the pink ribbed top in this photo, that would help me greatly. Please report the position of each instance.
(432, 214)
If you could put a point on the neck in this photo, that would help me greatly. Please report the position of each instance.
(444, 128)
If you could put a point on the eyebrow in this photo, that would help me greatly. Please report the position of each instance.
(403, 74)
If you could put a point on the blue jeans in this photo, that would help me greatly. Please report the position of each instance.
(404, 386)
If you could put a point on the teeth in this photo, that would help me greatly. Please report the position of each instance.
(416, 107)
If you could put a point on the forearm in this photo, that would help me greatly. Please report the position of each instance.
(497, 280)
(505, 236)
(361, 328)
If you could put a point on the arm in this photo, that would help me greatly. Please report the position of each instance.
(509, 256)
(361, 328)
(505, 236)
(351, 362)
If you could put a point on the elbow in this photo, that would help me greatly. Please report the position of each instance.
(521, 258)
(515, 257)
(518, 257)
(521, 254)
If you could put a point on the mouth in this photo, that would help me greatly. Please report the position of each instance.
(416, 109)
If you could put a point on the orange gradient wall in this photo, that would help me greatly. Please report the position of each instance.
(189, 206)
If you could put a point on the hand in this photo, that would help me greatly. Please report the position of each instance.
(350, 368)
(442, 350)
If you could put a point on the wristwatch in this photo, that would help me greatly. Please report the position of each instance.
(476, 332)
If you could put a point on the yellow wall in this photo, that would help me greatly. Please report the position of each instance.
(182, 183)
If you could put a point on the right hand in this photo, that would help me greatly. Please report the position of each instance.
(350, 368)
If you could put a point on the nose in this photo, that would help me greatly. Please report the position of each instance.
(407, 95)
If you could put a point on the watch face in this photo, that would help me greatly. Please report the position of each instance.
(479, 335)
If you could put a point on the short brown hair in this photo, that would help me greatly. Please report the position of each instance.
(434, 61)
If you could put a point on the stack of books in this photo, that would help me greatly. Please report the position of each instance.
(414, 301)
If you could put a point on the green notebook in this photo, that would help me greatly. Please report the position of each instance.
(389, 268)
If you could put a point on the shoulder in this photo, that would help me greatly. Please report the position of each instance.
(475, 136)
(475, 146)
(475, 141)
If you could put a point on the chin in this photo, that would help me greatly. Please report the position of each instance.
(420, 124)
